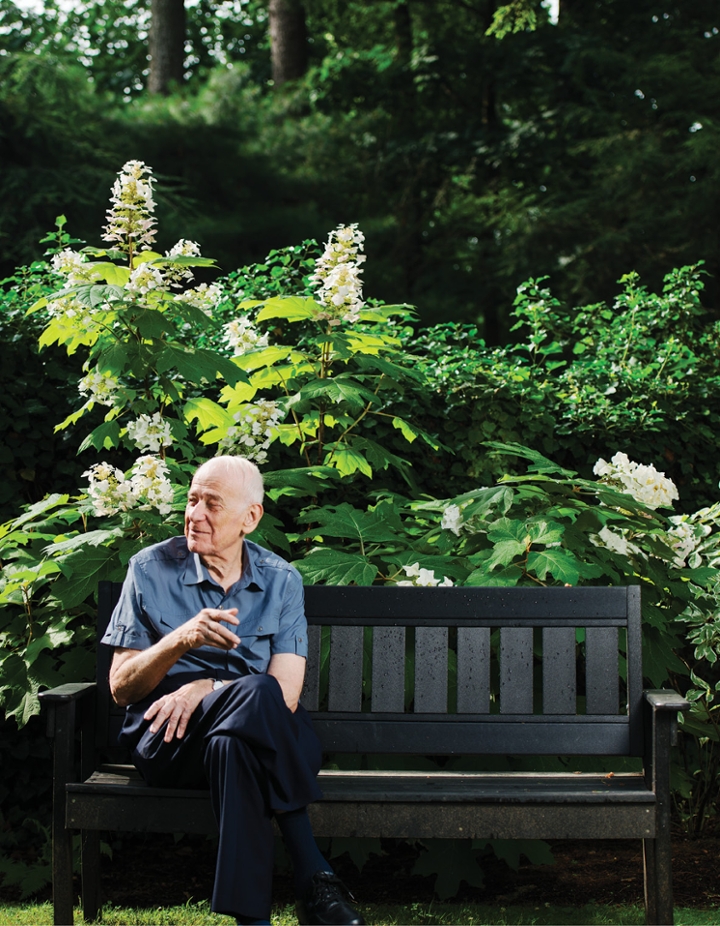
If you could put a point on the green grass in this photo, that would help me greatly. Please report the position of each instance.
(442, 914)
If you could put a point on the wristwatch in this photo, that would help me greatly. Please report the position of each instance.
(217, 683)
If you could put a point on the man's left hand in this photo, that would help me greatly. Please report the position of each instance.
(177, 708)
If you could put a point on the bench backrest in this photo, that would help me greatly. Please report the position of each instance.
(483, 671)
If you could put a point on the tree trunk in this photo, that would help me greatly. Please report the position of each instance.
(288, 40)
(166, 45)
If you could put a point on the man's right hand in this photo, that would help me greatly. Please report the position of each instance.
(206, 629)
(135, 673)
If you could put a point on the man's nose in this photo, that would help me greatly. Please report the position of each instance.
(197, 512)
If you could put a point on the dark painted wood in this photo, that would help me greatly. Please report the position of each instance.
(516, 670)
(473, 670)
(346, 662)
(388, 670)
(601, 670)
(431, 670)
(311, 689)
(559, 670)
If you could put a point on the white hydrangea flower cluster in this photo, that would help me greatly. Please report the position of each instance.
(424, 578)
(243, 336)
(150, 433)
(684, 540)
(177, 276)
(99, 387)
(256, 427)
(73, 266)
(130, 220)
(204, 297)
(150, 484)
(109, 490)
(644, 483)
(184, 248)
(72, 311)
(617, 543)
(337, 274)
(452, 519)
(145, 278)
(148, 487)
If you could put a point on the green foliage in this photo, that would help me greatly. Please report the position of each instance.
(638, 375)
(284, 362)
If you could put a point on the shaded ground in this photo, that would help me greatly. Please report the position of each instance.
(154, 870)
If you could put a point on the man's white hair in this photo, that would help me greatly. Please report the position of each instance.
(239, 468)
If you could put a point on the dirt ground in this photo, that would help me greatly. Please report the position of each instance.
(154, 870)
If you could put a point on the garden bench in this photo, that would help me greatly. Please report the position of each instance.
(437, 672)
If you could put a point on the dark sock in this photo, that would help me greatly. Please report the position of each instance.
(300, 842)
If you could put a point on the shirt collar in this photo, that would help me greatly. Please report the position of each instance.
(196, 573)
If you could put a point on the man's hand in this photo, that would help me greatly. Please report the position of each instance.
(205, 629)
(134, 673)
(177, 708)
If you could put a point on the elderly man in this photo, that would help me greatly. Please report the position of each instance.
(210, 645)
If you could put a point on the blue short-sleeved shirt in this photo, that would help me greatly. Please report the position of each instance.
(167, 585)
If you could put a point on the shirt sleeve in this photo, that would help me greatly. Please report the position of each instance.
(291, 636)
(129, 627)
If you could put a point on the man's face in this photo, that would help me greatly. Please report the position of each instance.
(216, 513)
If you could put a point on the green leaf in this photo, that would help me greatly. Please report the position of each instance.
(207, 413)
(561, 564)
(335, 567)
(112, 273)
(505, 552)
(509, 576)
(339, 389)
(350, 523)
(293, 308)
(196, 365)
(82, 572)
(348, 461)
(152, 324)
(104, 436)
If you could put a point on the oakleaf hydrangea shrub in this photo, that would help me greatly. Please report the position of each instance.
(316, 379)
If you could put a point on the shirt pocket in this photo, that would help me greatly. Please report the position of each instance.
(256, 633)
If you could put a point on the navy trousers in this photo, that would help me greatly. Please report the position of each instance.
(257, 757)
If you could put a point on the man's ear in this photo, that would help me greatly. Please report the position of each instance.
(251, 518)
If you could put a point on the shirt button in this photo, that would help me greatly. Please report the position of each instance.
(259, 629)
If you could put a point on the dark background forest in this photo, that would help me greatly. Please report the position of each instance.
(579, 147)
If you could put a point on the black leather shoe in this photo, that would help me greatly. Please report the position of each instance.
(325, 904)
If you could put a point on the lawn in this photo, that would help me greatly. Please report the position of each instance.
(447, 914)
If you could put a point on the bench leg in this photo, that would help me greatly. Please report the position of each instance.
(90, 867)
(62, 875)
(657, 857)
(650, 881)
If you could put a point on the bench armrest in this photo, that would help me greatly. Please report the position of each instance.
(72, 691)
(664, 699)
(71, 708)
(661, 710)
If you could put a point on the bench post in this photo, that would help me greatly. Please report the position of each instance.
(661, 718)
(61, 727)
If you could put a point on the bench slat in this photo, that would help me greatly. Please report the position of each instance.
(601, 670)
(484, 736)
(431, 669)
(516, 670)
(559, 671)
(311, 688)
(473, 670)
(346, 665)
(388, 669)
